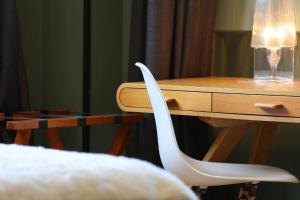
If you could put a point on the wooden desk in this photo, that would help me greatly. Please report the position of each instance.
(225, 102)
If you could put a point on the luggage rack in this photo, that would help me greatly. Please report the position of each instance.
(50, 120)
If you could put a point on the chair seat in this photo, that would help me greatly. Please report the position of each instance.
(229, 173)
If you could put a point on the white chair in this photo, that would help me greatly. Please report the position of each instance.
(195, 172)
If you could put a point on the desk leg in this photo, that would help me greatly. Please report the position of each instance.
(261, 147)
(224, 144)
(53, 138)
(23, 137)
(263, 142)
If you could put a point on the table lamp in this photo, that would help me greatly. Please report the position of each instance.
(274, 40)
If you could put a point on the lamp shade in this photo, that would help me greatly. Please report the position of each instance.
(274, 24)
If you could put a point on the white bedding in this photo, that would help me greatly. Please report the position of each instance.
(35, 173)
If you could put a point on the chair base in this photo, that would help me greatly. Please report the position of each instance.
(248, 192)
(201, 192)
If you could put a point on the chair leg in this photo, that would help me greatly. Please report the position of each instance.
(201, 192)
(248, 192)
(120, 139)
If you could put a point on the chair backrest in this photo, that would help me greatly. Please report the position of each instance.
(170, 154)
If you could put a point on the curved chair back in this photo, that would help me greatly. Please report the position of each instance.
(171, 156)
(196, 172)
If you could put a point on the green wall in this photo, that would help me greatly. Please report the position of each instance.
(52, 43)
(237, 15)
(62, 60)
(30, 15)
(106, 65)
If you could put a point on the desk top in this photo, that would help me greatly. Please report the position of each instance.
(220, 97)
(227, 85)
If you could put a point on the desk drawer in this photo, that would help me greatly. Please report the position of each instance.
(188, 101)
(256, 104)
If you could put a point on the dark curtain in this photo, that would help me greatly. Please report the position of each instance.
(13, 83)
(173, 38)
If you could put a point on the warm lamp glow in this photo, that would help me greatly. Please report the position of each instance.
(274, 28)
(274, 24)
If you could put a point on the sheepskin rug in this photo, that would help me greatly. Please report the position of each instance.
(36, 173)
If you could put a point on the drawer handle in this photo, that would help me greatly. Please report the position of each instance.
(170, 102)
(268, 105)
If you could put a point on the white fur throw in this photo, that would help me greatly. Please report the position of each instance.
(35, 173)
